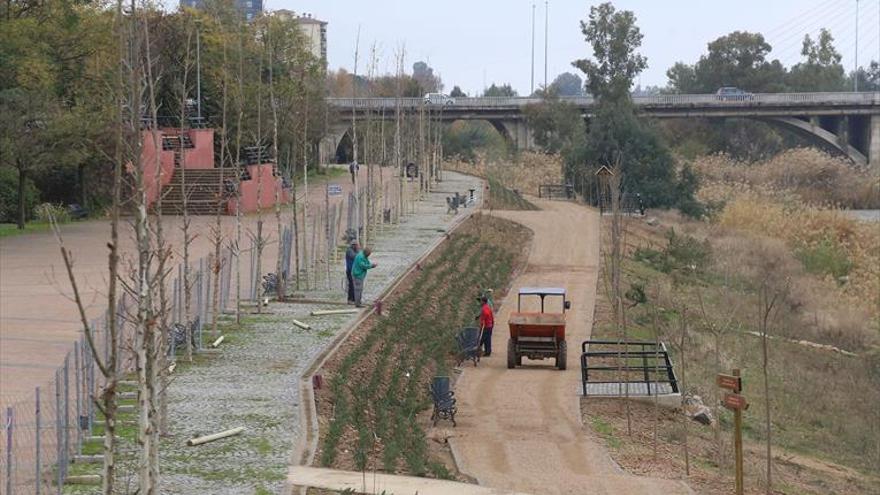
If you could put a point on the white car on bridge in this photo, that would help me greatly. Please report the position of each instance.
(438, 99)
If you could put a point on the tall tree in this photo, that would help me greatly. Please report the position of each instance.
(822, 70)
(567, 84)
(499, 90)
(614, 38)
(616, 136)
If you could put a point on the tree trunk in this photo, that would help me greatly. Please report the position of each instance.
(21, 198)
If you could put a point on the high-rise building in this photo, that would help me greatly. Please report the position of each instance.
(314, 30)
(250, 8)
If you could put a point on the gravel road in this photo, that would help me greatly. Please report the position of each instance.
(252, 381)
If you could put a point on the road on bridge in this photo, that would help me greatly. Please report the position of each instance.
(521, 429)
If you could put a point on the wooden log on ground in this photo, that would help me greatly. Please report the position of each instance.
(88, 459)
(302, 325)
(125, 408)
(83, 479)
(328, 312)
(216, 436)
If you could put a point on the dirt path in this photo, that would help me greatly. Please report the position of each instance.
(521, 429)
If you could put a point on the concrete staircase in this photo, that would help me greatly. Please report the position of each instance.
(204, 192)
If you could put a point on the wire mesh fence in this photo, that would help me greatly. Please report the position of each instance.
(44, 431)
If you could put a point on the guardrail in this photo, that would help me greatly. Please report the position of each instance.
(652, 368)
(745, 99)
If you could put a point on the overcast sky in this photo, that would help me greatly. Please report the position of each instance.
(473, 43)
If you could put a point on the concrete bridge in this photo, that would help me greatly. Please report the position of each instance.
(847, 124)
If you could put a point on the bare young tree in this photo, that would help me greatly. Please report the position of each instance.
(236, 244)
(280, 277)
(150, 288)
(401, 173)
(615, 182)
(216, 260)
(187, 284)
(718, 326)
(771, 292)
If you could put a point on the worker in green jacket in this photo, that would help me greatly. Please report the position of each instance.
(359, 269)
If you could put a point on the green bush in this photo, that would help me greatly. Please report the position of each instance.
(682, 253)
(9, 195)
(825, 258)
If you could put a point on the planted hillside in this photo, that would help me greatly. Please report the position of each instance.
(378, 380)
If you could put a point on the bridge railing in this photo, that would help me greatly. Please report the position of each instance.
(744, 99)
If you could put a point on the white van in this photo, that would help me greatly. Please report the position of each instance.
(438, 99)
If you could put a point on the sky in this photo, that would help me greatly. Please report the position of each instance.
(474, 43)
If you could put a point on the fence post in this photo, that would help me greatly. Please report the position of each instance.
(76, 366)
(58, 440)
(9, 427)
(39, 468)
(66, 412)
(209, 272)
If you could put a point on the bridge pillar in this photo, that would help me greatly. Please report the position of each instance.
(519, 134)
(330, 142)
(874, 143)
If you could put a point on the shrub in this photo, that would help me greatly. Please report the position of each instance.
(682, 253)
(48, 211)
(9, 195)
(825, 258)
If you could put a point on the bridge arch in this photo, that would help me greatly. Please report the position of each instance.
(820, 136)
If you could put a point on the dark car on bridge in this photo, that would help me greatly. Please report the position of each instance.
(730, 93)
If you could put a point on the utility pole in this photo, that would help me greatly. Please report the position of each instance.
(546, 37)
(856, 72)
(532, 91)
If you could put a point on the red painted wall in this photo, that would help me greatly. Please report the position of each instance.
(249, 197)
(148, 162)
(201, 156)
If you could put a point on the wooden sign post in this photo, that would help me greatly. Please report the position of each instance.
(737, 403)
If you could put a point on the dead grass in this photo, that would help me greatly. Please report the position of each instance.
(808, 175)
(795, 474)
(826, 426)
(523, 174)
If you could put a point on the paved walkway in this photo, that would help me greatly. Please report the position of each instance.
(383, 483)
(38, 319)
(521, 429)
(254, 380)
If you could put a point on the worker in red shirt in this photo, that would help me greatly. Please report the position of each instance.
(487, 322)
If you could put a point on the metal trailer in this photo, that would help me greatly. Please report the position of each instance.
(538, 335)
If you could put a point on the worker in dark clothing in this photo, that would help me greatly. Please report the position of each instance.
(350, 255)
(353, 170)
(359, 269)
(487, 322)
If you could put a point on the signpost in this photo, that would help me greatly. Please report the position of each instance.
(736, 403)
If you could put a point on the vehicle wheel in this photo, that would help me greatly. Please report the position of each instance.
(511, 355)
(562, 356)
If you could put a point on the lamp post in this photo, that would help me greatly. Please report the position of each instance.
(546, 37)
(532, 91)
(856, 71)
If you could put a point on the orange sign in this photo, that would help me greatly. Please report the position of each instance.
(729, 382)
(735, 402)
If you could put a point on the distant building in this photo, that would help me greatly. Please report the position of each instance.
(314, 30)
(250, 8)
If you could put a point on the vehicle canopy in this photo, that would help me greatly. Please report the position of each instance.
(542, 292)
